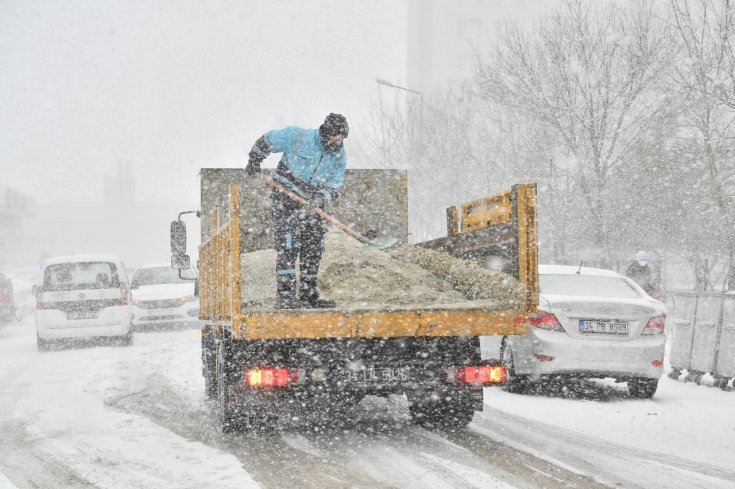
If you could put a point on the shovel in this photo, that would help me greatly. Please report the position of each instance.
(379, 242)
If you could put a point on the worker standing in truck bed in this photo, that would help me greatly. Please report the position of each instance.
(312, 165)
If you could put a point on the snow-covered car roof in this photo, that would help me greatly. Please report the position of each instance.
(572, 270)
(81, 258)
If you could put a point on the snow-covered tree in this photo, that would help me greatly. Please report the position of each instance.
(705, 30)
(591, 74)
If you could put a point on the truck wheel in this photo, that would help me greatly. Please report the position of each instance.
(229, 418)
(642, 387)
(516, 384)
(260, 423)
(441, 415)
(209, 366)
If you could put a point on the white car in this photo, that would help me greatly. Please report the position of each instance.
(591, 323)
(161, 298)
(83, 296)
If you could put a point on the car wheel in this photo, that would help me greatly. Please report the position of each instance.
(127, 339)
(43, 345)
(516, 384)
(642, 388)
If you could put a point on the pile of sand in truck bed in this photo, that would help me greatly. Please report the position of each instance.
(358, 277)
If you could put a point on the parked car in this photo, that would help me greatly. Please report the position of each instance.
(591, 323)
(162, 298)
(7, 300)
(83, 296)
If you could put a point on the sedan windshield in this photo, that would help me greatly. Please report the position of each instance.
(587, 285)
(162, 275)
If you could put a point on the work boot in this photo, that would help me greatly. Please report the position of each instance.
(286, 292)
(317, 303)
(287, 302)
(309, 297)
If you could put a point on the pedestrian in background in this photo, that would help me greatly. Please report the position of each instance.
(640, 272)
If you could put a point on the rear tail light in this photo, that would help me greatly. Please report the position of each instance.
(544, 320)
(39, 298)
(655, 325)
(124, 293)
(270, 377)
(5, 296)
(478, 374)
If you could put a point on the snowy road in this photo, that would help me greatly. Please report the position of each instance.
(110, 417)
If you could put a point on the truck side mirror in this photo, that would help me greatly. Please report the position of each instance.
(180, 261)
(178, 238)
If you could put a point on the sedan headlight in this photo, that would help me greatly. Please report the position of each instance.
(188, 298)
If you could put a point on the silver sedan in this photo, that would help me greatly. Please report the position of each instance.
(591, 323)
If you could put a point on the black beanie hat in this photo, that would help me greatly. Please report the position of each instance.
(333, 125)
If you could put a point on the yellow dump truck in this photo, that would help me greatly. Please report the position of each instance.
(261, 364)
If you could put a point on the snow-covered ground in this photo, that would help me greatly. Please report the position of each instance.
(109, 416)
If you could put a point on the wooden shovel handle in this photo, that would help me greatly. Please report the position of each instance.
(346, 229)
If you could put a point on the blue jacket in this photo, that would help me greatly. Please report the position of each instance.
(305, 164)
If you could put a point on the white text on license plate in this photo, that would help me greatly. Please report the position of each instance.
(82, 314)
(593, 326)
(378, 374)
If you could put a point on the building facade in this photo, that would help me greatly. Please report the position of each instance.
(445, 37)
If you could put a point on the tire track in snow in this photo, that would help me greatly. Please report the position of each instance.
(609, 462)
(373, 452)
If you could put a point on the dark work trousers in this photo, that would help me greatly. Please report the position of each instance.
(299, 233)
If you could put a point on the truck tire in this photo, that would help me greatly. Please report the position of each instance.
(441, 415)
(228, 417)
(236, 419)
(516, 384)
(642, 387)
(209, 365)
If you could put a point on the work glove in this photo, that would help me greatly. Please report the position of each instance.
(253, 166)
(317, 200)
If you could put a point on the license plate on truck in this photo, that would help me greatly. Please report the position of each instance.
(82, 314)
(596, 326)
(378, 375)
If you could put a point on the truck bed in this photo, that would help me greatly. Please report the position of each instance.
(221, 303)
(340, 323)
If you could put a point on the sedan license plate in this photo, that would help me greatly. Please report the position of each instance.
(378, 375)
(596, 326)
(82, 314)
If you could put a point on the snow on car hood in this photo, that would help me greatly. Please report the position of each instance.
(163, 291)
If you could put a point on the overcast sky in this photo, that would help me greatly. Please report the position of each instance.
(172, 86)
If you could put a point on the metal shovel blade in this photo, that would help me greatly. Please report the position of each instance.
(381, 242)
